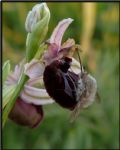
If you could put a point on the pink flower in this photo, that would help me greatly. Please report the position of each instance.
(64, 85)
(57, 78)
(55, 49)
(27, 110)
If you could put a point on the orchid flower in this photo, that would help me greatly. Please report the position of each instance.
(35, 69)
(34, 95)
(30, 93)
(28, 110)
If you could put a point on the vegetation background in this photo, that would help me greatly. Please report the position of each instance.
(96, 28)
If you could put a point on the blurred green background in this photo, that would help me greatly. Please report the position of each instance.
(96, 28)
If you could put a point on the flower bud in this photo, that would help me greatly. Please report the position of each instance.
(26, 114)
(37, 26)
(35, 15)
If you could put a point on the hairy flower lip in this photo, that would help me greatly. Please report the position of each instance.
(58, 83)
(26, 114)
(34, 69)
(40, 118)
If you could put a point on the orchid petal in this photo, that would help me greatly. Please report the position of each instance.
(75, 62)
(51, 53)
(69, 43)
(75, 66)
(36, 101)
(14, 76)
(35, 92)
(34, 81)
(66, 49)
(58, 32)
(11, 80)
(17, 71)
(34, 69)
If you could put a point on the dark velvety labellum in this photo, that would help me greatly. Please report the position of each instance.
(60, 83)
(26, 114)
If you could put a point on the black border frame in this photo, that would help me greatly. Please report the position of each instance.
(17, 1)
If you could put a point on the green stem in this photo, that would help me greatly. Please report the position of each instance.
(10, 105)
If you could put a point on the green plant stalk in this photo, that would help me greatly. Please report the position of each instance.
(40, 51)
(33, 41)
(10, 105)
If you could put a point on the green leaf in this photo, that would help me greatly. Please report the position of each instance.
(7, 94)
(5, 70)
(13, 98)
